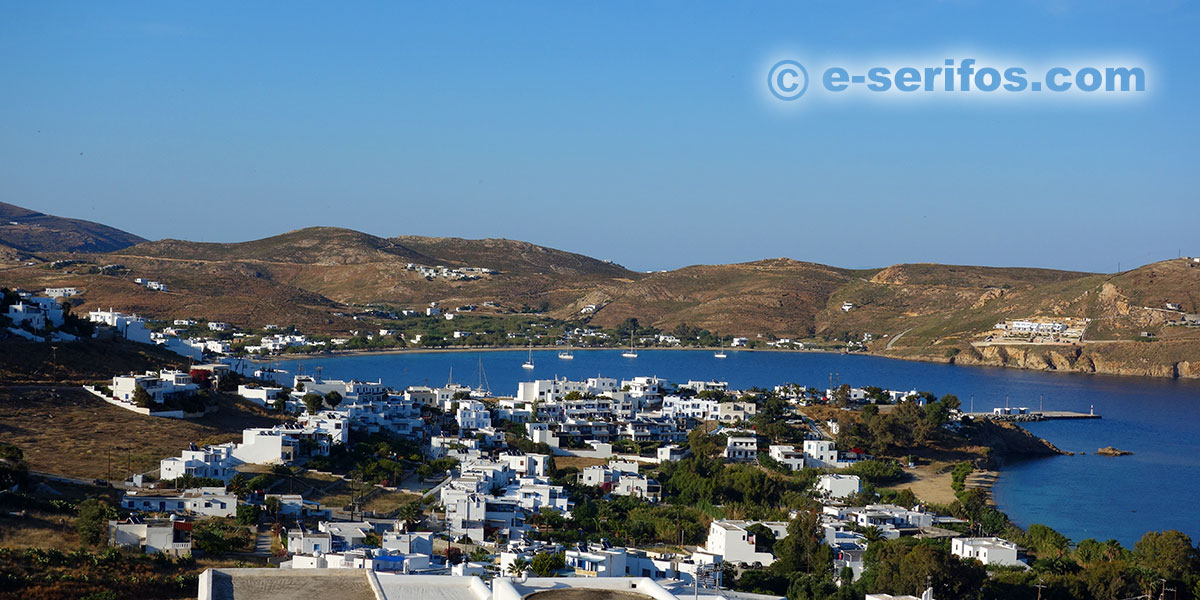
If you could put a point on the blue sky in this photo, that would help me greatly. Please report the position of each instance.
(635, 131)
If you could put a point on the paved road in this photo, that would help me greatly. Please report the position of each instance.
(898, 336)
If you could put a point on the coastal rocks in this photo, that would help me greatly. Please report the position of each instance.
(1007, 440)
(1111, 451)
(1171, 360)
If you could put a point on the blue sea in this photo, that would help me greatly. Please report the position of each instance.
(1081, 496)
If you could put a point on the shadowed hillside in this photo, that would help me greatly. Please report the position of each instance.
(31, 231)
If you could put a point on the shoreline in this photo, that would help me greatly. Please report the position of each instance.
(463, 349)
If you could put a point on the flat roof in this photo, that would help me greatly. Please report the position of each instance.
(429, 587)
(285, 584)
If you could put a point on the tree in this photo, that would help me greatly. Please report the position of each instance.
(518, 567)
(546, 564)
(841, 396)
(14, 471)
(1169, 554)
(951, 402)
(333, 398)
(906, 566)
(764, 538)
(273, 505)
(411, 513)
(91, 520)
(248, 514)
(279, 403)
(142, 398)
(1046, 542)
(797, 553)
(313, 402)
(238, 486)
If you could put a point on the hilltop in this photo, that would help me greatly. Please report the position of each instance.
(314, 278)
(25, 231)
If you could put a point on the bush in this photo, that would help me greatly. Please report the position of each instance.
(876, 472)
(91, 520)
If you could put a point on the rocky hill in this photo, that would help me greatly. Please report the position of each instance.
(27, 231)
(312, 277)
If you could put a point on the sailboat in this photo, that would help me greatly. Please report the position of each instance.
(529, 363)
(630, 353)
(566, 354)
(720, 354)
(483, 390)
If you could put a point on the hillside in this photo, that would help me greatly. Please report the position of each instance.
(312, 278)
(30, 231)
(512, 256)
(779, 296)
(309, 246)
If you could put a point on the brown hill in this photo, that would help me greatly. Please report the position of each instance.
(31, 231)
(309, 246)
(779, 296)
(307, 277)
(512, 256)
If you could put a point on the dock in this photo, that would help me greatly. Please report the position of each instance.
(1033, 415)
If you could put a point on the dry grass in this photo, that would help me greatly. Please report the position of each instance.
(930, 482)
(71, 432)
(386, 502)
(38, 530)
(579, 462)
(80, 362)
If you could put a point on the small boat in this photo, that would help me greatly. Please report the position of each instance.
(529, 363)
(720, 354)
(566, 355)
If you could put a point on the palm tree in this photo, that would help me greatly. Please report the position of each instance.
(518, 567)
(411, 513)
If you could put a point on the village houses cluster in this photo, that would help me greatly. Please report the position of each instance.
(493, 490)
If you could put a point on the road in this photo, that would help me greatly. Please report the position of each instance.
(898, 336)
(74, 480)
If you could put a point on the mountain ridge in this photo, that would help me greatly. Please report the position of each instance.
(310, 277)
(29, 231)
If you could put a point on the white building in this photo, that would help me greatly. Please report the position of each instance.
(731, 541)
(206, 501)
(824, 454)
(839, 486)
(160, 386)
(701, 409)
(61, 292)
(987, 550)
(169, 537)
(741, 448)
(258, 394)
(473, 414)
(787, 455)
(732, 412)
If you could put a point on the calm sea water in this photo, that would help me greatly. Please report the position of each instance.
(1082, 496)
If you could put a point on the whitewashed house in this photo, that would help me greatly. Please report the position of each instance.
(987, 550)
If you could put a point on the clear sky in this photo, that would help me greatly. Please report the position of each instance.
(632, 131)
